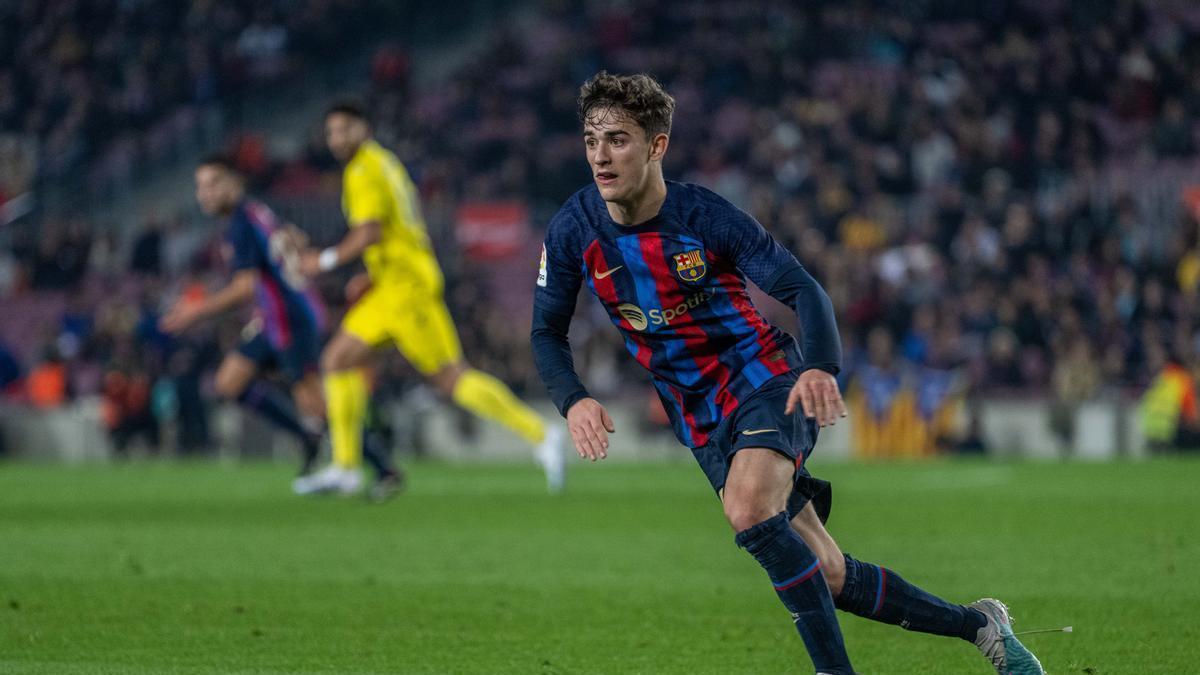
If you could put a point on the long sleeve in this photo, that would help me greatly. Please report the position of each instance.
(558, 283)
(738, 236)
(552, 354)
(821, 343)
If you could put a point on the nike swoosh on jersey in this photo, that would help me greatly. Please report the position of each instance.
(755, 432)
(606, 273)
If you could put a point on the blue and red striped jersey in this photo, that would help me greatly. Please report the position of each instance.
(282, 298)
(675, 287)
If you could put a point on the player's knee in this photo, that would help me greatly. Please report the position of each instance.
(744, 514)
(445, 380)
(227, 386)
(444, 384)
(309, 400)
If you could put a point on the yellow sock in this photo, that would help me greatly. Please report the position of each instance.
(346, 406)
(487, 397)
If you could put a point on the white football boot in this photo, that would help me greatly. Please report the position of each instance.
(333, 479)
(549, 454)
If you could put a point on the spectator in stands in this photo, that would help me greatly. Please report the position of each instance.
(10, 372)
(1003, 174)
(107, 87)
(147, 250)
(1076, 380)
(46, 386)
(127, 411)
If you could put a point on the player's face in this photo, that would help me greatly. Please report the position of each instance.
(217, 191)
(621, 157)
(343, 135)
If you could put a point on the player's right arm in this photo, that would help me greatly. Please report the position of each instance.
(185, 314)
(248, 258)
(367, 208)
(559, 280)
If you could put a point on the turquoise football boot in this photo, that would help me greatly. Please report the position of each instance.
(999, 645)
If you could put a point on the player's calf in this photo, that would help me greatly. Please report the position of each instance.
(833, 564)
(231, 385)
(879, 594)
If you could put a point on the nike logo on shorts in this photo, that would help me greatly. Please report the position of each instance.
(607, 273)
(755, 432)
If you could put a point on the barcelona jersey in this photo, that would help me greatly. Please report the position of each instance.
(675, 287)
(282, 300)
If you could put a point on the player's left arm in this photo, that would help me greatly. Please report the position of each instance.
(356, 287)
(816, 390)
(768, 264)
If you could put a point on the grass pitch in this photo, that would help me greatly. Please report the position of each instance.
(199, 568)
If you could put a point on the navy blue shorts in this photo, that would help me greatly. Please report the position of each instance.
(294, 361)
(759, 422)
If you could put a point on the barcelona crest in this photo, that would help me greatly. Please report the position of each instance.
(690, 265)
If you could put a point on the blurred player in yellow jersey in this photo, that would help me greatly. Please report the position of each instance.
(404, 307)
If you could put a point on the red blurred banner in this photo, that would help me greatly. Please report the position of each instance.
(492, 230)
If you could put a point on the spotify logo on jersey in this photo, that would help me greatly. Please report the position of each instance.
(660, 317)
(633, 314)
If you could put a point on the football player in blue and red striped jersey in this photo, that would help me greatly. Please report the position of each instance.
(284, 333)
(669, 262)
(285, 329)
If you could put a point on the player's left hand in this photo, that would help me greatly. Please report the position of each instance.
(357, 287)
(817, 393)
(310, 263)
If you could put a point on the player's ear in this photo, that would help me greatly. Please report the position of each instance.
(658, 146)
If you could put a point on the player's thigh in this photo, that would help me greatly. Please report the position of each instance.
(234, 374)
(425, 335)
(367, 324)
(301, 357)
(757, 486)
(345, 351)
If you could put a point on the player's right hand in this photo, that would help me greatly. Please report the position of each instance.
(590, 425)
(181, 316)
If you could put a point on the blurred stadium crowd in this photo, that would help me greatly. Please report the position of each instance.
(1000, 197)
(107, 87)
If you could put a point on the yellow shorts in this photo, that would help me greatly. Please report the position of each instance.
(418, 323)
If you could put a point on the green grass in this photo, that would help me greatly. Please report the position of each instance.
(198, 568)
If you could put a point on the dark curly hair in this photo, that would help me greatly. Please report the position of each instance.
(639, 96)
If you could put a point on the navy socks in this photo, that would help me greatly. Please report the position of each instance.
(276, 406)
(378, 454)
(877, 593)
(870, 591)
(796, 574)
